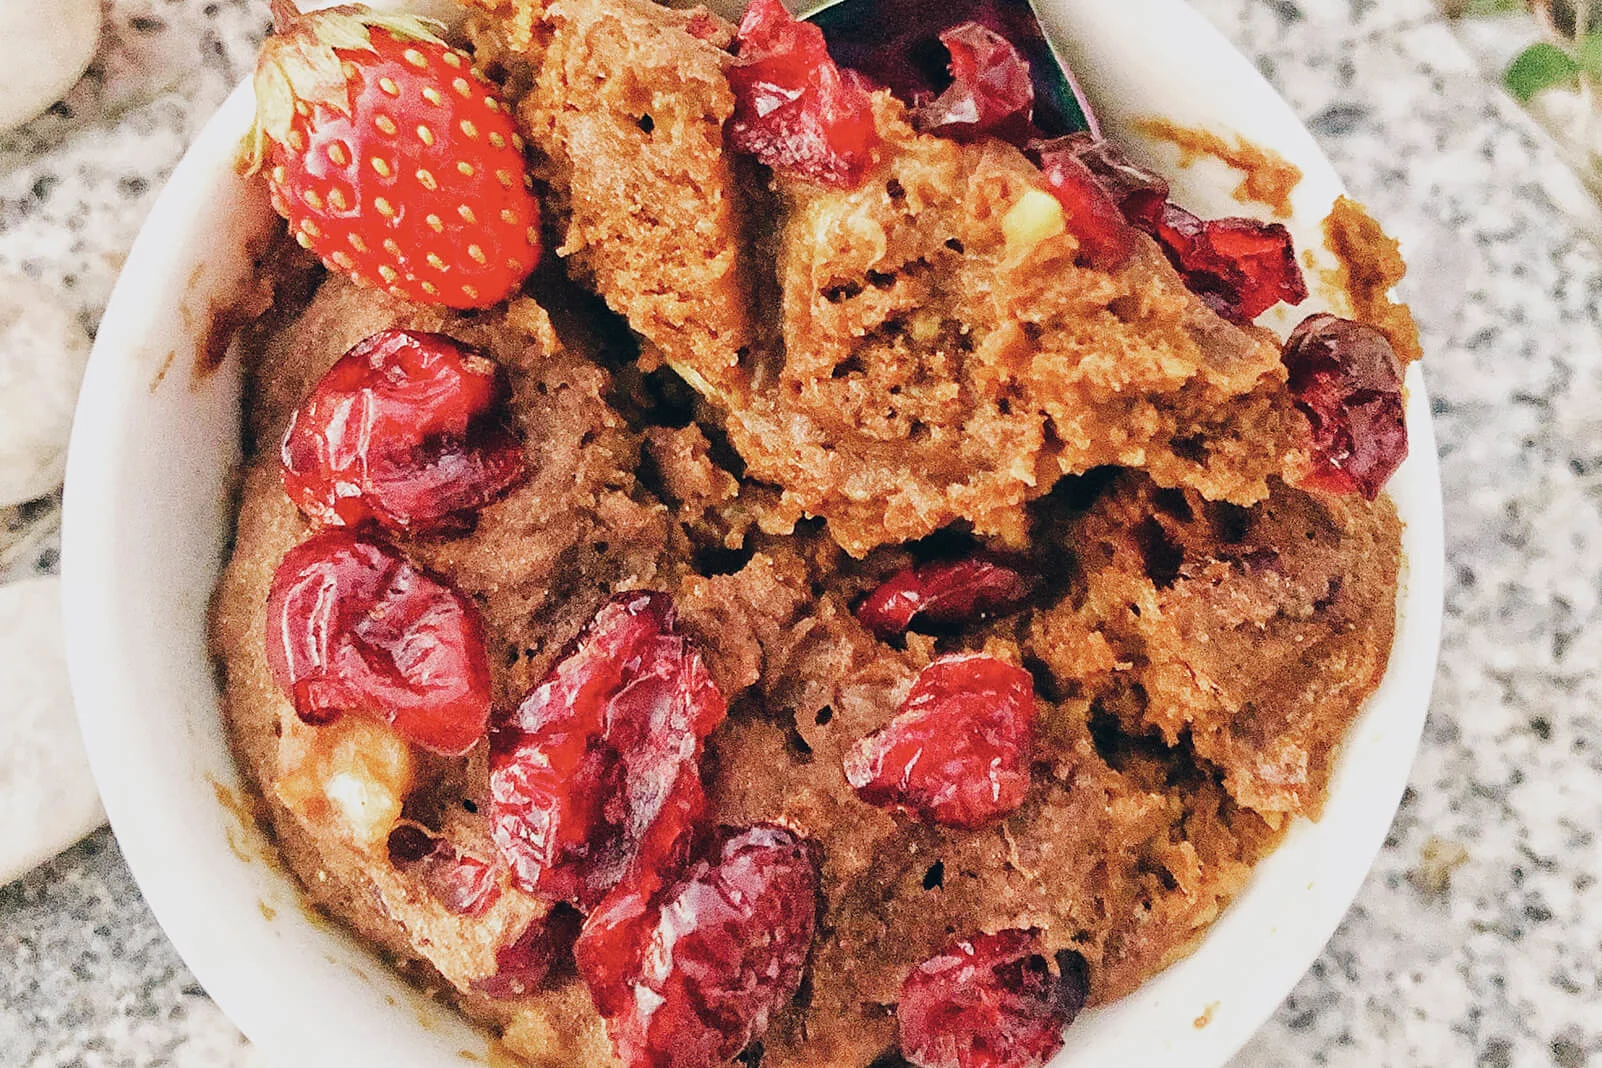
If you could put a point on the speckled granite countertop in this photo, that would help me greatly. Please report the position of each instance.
(1477, 939)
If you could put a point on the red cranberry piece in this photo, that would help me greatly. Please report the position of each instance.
(1139, 194)
(1093, 215)
(408, 429)
(795, 110)
(353, 627)
(522, 967)
(702, 24)
(461, 882)
(900, 44)
(957, 753)
(991, 93)
(598, 771)
(947, 592)
(1239, 267)
(1346, 379)
(689, 980)
(990, 1002)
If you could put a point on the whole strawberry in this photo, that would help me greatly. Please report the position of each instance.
(392, 158)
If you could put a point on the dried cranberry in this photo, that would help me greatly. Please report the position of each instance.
(902, 45)
(461, 882)
(1139, 194)
(521, 968)
(990, 1002)
(958, 752)
(702, 24)
(353, 627)
(795, 110)
(691, 978)
(1346, 379)
(1240, 267)
(946, 591)
(990, 93)
(598, 770)
(407, 428)
(1105, 237)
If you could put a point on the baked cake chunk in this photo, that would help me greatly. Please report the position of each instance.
(1249, 631)
(944, 353)
(947, 356)
(625, 115)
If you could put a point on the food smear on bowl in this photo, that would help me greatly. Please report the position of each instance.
(872, 591)
(1368, 265)
(1267, 177)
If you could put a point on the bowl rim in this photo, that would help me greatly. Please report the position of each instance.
(166, 845)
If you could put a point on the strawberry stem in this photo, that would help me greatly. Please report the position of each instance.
(285, 13)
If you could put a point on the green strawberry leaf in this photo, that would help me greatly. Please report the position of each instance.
(1540, 66)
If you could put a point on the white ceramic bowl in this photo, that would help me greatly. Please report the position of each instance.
(148, 510)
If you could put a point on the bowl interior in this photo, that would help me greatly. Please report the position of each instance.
(149, 506)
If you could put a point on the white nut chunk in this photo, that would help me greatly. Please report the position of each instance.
(1035, 217)
(43, 351)
(351, 777)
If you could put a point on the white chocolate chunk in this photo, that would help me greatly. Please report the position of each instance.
(351, 776)
(367, 807)
(43, 351)
(1036, 216)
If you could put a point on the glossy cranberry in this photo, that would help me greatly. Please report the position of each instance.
(408, 429)
(545, 945)
(903, 45)
(1139, 194)
(353, 627)
(461, 882)
(1240, 267)
(957, 753)
(598, 770)
(795, 110)
(945, 592)
(1346, 379)
(992, 1001)
(1092, 215)
(693, 977)
(990, 94)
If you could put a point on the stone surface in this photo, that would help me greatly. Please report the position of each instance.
(1477, 939)
(49, 794)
